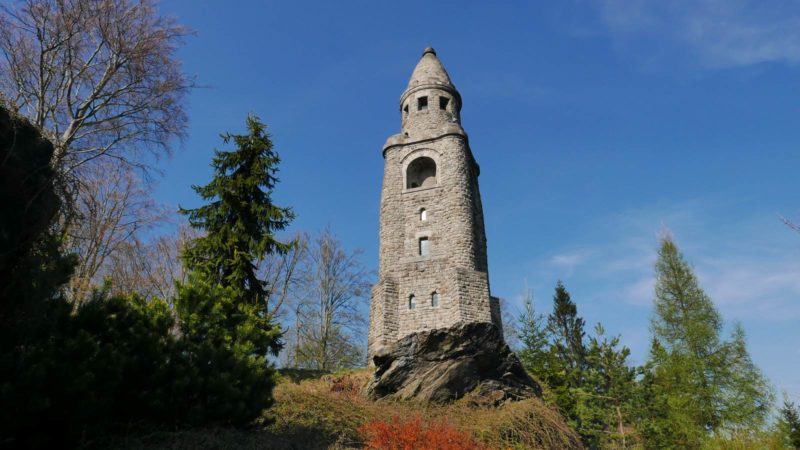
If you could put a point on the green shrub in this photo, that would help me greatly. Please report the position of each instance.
(102, 369)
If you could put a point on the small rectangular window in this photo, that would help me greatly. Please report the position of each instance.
(405, 109)
(423, 246)
(443, 101)
(422, 103)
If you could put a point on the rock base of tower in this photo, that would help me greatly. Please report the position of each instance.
(443, 365)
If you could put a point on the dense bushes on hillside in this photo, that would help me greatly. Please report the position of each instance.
(113, 363)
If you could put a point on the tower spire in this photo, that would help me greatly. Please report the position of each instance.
(429, 71)
(430, 105)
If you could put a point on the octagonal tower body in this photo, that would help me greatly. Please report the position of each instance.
(433, 267)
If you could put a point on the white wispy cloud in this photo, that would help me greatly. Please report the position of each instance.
(755, 286)
(745, 267)
(639, 292)
(570, 259)
(716, 33)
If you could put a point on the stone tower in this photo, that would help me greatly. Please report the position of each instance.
(433, 270)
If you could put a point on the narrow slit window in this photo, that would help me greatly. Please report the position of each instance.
(412, 302)
(423, 214)
(435, 299)
(423, 246)
(443, 101)
(405, 109)
(422, 103)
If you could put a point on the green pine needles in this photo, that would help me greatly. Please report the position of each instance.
(695, 383)
(239, 218)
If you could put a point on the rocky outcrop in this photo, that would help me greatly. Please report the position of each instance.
(445, 364)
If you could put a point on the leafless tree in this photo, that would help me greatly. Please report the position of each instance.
(101, 80)
(113, 208)
(330, 316)
(280, 271)
(99, 77)
(149, 268)
(510, 325)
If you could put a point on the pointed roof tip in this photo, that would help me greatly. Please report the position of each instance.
(429, 70)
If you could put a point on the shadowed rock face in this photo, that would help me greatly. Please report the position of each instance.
(444, 364)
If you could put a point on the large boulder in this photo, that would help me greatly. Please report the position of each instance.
(444, 364)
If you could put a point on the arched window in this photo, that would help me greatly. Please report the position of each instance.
(421, 173)
(423, 214)
(435, 299)
(412, 302)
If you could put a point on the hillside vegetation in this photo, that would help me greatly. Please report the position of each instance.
(313, 411)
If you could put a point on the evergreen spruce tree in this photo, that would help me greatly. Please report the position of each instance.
(691, 390)
(593, 386)
(239, 219)
(533, 335)
(226, 331)
(566, 329)
(567, 355)
(606, 402)
(789, 424)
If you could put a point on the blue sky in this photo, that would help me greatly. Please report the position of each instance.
(597, 125)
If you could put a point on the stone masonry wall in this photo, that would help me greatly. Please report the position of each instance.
(455, 267)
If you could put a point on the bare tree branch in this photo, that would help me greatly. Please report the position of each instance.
(790, 224)
(114, 207)
(329, 316)
(150, 268)
(101, 79)
(280, 273)
(99, 76)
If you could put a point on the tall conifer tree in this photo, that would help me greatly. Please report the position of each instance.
(566, 329)
(567, 355)
(240, 218)
(695, 383)
(789, 424)
(533, 335)
(605, 402)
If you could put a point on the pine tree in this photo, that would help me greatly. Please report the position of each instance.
(239, 219)
(695, 383)
(566, 329)
(226, 330)
(534, 338)
(789, 424)
(567, 355)
(606, 404)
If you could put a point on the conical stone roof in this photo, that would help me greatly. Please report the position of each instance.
(429, 71)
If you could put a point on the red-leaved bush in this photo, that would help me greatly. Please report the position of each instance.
(412, 435)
